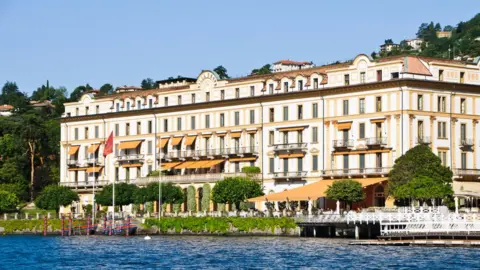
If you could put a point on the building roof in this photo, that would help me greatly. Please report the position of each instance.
(413, 65)
(129, 87)
(6, 108)
(291, 62)
(177, 79)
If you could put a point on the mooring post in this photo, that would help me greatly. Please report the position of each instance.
(128, 226)
(104, 224)
(69, 226)
(45, 225)
(110, 230)
(88, 225)
(357, 232)
(63, 225)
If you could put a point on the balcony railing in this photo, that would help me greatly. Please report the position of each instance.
(377, 141)
(85, 184)
(467, 172)
(289, 146)
(94, 160)
(465, 142)
(72, 162)
(424, 140)
(343, 143)
(357, 171)
(287, 175)
(253, 150)
(130, 157)
(190, 178)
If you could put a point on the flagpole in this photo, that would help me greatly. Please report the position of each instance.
(160, 186)
(93, 194)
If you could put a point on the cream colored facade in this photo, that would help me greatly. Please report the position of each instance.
(348, 120)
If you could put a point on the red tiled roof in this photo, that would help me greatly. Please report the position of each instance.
(413, 65)
(290, 62)
(6, 107)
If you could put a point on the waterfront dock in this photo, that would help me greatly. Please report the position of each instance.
(425, 243)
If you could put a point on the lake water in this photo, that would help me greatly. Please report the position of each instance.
(179, 252)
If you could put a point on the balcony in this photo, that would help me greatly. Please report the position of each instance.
(288, 175)
(289, 146)
(475, 173)
(357, 172)
(189, 178)
(85, 184)
(377, 142)
(343, 144)
(97, 161)
(466, 143)
(73, 162)
(130, 157)
(424, 140)
(193, 154)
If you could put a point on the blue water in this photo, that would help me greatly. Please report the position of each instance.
(198, 252)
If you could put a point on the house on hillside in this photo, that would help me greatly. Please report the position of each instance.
(288, 65)
(6, 110)
(444, 34)
(387, 47)
(415, 43)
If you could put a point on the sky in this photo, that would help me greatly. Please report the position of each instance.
(71, 43)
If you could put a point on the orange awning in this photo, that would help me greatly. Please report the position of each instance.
(212, 163)
(342, 126)
(291, 155)
(176, 140)
(93, 148)
(129, 145)
(310, 191)
(94, 169)
(235, 134)
(242, 159)
(169, 165)
(73, 149)
(131, 165)
(291, 129)
(221, 134)
(185, 165)
(206, 135)
(190, 140)
(162, 142)
(381, 120)
(77, 169)
(251, 131)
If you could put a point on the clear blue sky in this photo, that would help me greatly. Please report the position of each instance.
(122, 42)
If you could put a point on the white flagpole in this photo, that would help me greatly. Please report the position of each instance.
(160, 186)
(93, 195)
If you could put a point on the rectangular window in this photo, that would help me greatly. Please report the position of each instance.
(149, 147)
(207, 96)
(300, 112)
(139, 104)
(464, 160)
(179, 100)
(207, 121)
(442, 130)
(378, 104)
(379, 75)
(86, 110)
(361, 159)
(362, 105)
(252, 91)
(314, 163)
(285, 165)
(462, 77)
(150, 127)
(237, 118)
(127, 129)
(76, 133)
(272, 165)
(222, 120)
(463, 105)
(440, 75)
(362, 77)
(463, 132)
(237, 92)
(285, 113)
(346, 79)
(150, 103)
(252, 117)
(179, 123)
(271, 138)
(361, 130)
(97, 132)
(77, 111)
(270, 88)
(345, 107)
(299, 136)
(378, 130)
(441, 104)
(192, 122)
(128, 106)
(165, 101)
(193, 98)
(97, 109)
(117, 130)
(117, 107)
(271, 115)
(139, 128)
(285, 87)
(150, 168)
(315, 110)
(345, 163)
(299, 164)
(300, 85)
(420, 102)
(222, 94)
(116, 150)
(420, 130)
(285, 137)
(314, 134)
(315, 83)
(395, 75)
(443, 157)
(165, 125)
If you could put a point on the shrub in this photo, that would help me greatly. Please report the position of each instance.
(191, 199)
(8, 201)
(206, 197)
(53, 196)
(347, 191)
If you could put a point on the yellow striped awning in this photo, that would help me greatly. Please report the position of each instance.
(133, 165)
(185, 165)
(176, 140)
(212, 163)
(235, 134)
(162, 142)
(190, 140)
(291, 129)
(242, 159)
(77, 169)
(94, 169)
(291, 155)
(251, 131)
(73, 149)
(169, 165)
(381, 120)
(129, 144)
(343, 126)
(93, 148)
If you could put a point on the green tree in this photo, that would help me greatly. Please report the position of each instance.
(266, 69)
(222, 72)
(8, 201)
(234, 190)
(206, 197)
(423, 188)
(79, 91)
(170, 193)
(54, 196)
(106, 89)
(191, 198)
(11, 95)
(388, 41)
(348, 191)
(124, 194)
(419, 161)
(20, 190)
(148, 83)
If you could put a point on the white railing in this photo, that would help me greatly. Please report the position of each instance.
(189, 178)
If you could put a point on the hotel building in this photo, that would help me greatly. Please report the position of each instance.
(349, 120)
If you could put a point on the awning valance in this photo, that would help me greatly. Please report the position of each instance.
(221, 134)
(168, 165)
(162, 142)
(235, 134)
(310, 191)
(190, 140)
(132, 165)
(77, 169)
(291, 155)
(212, 163)
(251, 131)
(93, 148)
(94, 169)
(129, 145)
(291, 129)
(345, 125)
(242, 159)
(176, 140)
(381, 120)
(73, 149)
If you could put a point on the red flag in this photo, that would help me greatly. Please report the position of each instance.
(108, 146)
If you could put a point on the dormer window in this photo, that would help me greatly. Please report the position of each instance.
(128, 105)
(117, 107)
(77, 111)
(86, 110)
(315, 83)
(150, 103)
(300, 85)
(285, 87)
(179, 98)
